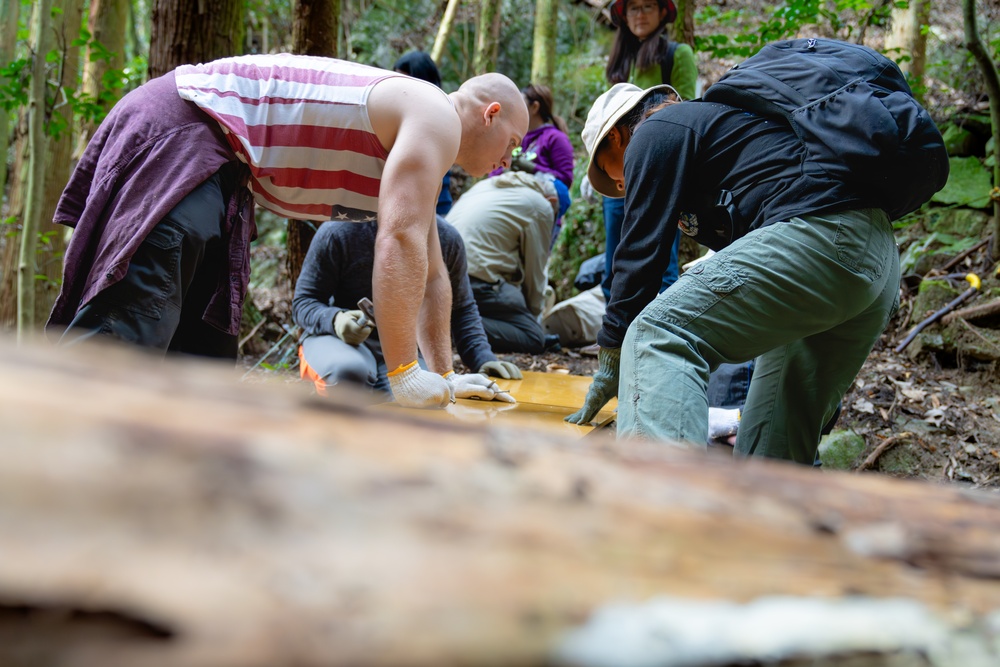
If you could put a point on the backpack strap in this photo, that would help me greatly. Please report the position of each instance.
(667, 64)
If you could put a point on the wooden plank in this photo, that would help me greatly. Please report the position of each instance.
(543, 400)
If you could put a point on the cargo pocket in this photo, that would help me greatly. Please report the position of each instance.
(705, 285)
(152, 279)
(862, 243)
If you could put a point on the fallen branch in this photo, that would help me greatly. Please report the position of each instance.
(952, 305)
(882, 447)
(962, 255)
(979, 312)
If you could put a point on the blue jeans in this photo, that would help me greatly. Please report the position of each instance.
(614, 215)
(807, 298)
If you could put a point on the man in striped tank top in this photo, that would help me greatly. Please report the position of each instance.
(161, 199)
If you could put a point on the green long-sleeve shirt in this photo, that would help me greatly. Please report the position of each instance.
(683, 75)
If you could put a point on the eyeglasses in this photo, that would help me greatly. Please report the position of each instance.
(645, 8)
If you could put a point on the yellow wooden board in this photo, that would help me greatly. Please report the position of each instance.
(543, 400)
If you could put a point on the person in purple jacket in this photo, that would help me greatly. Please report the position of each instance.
(546, 147)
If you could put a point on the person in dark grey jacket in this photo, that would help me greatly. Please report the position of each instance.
(336, 347)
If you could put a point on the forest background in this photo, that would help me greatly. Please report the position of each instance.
(91, 53)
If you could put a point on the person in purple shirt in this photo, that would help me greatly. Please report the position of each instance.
(546, 147)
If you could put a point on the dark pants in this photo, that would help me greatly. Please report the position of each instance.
(509, 325)
(170, 280)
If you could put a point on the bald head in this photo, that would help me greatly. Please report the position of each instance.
(494, 120)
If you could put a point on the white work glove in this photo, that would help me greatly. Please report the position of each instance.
(345, 324)
(413, 387)
(501, 369)
(587, 191)
(722, 423)
(474, 385)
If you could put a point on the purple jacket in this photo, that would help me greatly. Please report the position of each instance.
(554, 150)
(150, 152)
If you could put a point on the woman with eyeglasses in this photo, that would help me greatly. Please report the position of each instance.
(643, 55)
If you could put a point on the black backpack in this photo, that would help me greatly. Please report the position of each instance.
(853, 110)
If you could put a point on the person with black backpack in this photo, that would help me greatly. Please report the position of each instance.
(806, 271)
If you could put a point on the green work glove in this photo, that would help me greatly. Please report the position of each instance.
(602, 389)
(345, 323)
(501, 369)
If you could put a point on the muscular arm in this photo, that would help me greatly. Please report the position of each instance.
(434, 331)
(410, 284)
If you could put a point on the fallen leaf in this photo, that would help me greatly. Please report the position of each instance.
(864, 405)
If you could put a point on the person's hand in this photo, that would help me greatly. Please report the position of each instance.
(602, 389)
(501, 369)
(345, 323)
(587, 191)
(722, 423)
(413, 387)
(474, 385)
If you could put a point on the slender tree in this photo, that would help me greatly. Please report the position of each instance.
(908, 38)
(487, 37)
(36, 173)
(107, 24)
(989, 70)
(65, 28)
(543, 60)
(61, 60)
(9, 16)
(192, 31)
(444, 31)
(314, 31)
(683, 28)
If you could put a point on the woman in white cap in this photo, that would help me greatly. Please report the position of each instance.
(805, 277)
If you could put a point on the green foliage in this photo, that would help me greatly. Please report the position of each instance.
(968, 184)
(15, 82)
(935, 243)
(746, 32)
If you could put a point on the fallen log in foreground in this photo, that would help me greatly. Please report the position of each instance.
(164, 514)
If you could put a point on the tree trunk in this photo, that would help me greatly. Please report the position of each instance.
(908, 38)
(193, 31)
(487, 37)
(107, 24)
(315, 31)
(66, 26)
(9, 17)
(992, 79)
(683, 28)
(444, 31)
(543, 54)
(171, 516)
(36, 174)
(315, 27)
